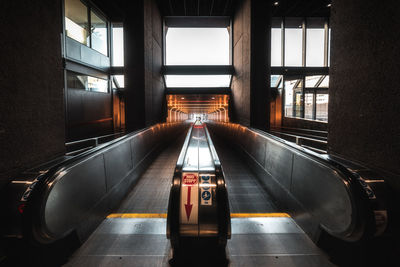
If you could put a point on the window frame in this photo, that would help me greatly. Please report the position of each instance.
(302, 71)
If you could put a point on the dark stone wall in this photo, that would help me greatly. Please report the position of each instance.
(251, 62)
(364, 95)
(134, 65)
(154, 84)
(240, 103)
(32, 124)
(144, 89)
(260, 64)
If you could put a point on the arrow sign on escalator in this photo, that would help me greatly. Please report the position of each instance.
(188, 206)
(189, 198)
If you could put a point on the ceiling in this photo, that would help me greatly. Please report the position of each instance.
(197, 7)
(116, 11)
(197, 103)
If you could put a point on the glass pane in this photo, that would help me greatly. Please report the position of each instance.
(315, 48)
(325, 82)
(85, 82)
(308, 106)
(298, 104)
(197, 80)
(97, 85)
(312, 80)
(197, 46)
(76, 21)
(275, 80)
(293, 42)
(276, 47)
(120, 80)
(322, 107)
(99, 33)
(118, 46)
(329, 47)
(289, 85)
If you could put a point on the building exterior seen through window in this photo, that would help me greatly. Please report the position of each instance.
(303, 45)
(315, 91)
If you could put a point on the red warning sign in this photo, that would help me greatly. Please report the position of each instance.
(190, 179)
(189, 198)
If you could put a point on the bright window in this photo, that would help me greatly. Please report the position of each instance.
(276, 47)
(197, 80)
(315, 47)
(197, 46)
(293, 42)
(118, 46)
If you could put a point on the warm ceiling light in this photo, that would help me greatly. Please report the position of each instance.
(276, 3)
(328, 5)
(212, 97)
(182, 98)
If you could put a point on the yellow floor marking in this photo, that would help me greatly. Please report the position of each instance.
(164, 215)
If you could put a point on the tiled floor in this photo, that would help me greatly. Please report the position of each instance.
(255, 242)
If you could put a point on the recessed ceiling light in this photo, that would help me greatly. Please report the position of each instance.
(328, 5)
(212, 97)
(276, 3)
(182, 98)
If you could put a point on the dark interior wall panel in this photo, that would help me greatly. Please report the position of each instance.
(260, 63)
(134, 65)
(144, 83)
(89, 114)
(241, 63)
(85, 106)
(32, 123)
(364, 95)
(251, 62)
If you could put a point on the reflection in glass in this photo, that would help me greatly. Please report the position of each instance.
(311, 81)
(85, 82)
(315, 47)
(276, 47)
(197, 80)
(118, 46)
(76, 21)
(322, 107)
(197, 46)
(99, 33)
(308, 106)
